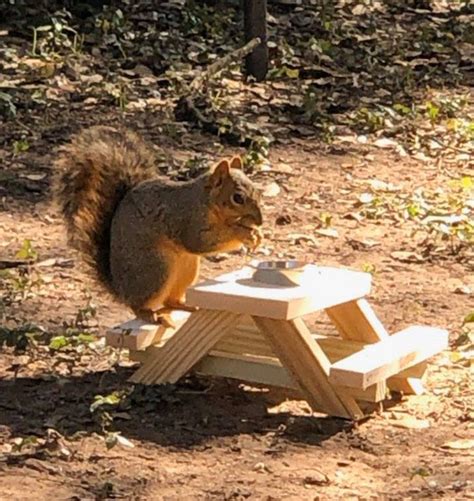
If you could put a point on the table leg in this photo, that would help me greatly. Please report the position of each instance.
(186, 347)
(307, 363)
(357, 321)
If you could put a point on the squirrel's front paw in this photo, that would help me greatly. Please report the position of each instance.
(254, 239)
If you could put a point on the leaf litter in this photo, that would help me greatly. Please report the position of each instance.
(378, 75)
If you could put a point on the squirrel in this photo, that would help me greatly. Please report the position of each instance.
(144, 235)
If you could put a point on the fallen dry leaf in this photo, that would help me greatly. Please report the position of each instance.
(327, 232)
(301, 237)
(463, 289)
(271, 190)
(383, 142)
(410, 423)
(353, 215)
(317, 478)
(362, 244)
(366, 198)
(462, 444)
(378, 185)
(407, 257)
(34, 177)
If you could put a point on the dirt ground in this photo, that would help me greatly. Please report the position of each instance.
(354, 200)
(205, 439)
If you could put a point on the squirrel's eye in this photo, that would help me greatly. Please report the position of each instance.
(238, 198)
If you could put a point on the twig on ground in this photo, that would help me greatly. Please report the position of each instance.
(186, 107)
(204, 76)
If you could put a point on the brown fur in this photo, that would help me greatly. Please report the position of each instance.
(95, 171)
(144, 235)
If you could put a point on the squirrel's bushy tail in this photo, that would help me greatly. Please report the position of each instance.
(95, 171)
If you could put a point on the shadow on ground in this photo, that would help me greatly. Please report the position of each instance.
(189, 414)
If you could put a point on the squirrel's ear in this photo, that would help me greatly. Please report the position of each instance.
(220, 173)
(236, 163)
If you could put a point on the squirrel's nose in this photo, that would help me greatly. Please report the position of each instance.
(257, 216)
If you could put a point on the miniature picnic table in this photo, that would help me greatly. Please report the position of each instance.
(256, 332)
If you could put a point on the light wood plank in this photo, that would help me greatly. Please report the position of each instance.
(379, 361)
(239, 293)
(407, 386)
(185, 348)
(133, 335)
(375, 393)
(251, 370)
(409, 381)
(417, 371)
(244, 338)
(266, 371)
(140, 355)
(248, 341)
(137, 334)
(308, 365)
(269, 372)
(356, 320)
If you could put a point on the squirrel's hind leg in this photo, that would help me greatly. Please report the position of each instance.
(185, 276)
(161, 316)
(170, 296)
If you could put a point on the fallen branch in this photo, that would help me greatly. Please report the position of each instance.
(5, 264)
(186, 108)
(452, 148)
(204, 76)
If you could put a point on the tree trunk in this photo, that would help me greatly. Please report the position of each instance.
(255, 25)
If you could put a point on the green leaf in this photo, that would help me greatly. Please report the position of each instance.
(292, 73)
(326, 219)
(413, 210)
(432, 110)
(57, 26)
(58, 342)
(402, 109)
(469, 318)
(84, 338)
(20, 146)
(368, 268)
(99, 400)
(421, 471)
(20, 443)
(467, 183)
(27, 251)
